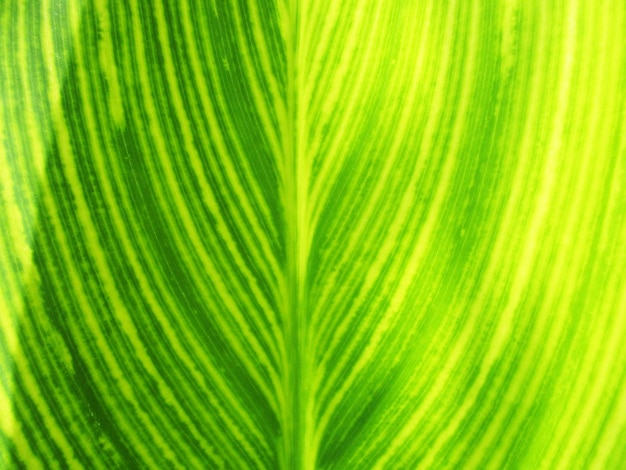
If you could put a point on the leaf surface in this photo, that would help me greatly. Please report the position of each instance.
(295, 234)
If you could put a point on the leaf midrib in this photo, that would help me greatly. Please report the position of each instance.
(296, 420)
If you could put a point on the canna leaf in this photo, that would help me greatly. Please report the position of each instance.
(312, 234)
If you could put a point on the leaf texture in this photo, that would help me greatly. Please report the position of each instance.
(299, 235)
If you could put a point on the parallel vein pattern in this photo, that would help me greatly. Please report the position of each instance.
(312, 234)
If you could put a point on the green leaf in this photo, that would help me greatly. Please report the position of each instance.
(312, 234)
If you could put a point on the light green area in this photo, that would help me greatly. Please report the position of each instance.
(301, 234)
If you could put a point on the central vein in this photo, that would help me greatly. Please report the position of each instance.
(297, 415)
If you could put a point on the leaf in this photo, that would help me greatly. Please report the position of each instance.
(298, 235)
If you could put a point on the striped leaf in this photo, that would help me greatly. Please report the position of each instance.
(304, 234)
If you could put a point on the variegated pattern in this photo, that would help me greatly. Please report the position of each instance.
(301, 234)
